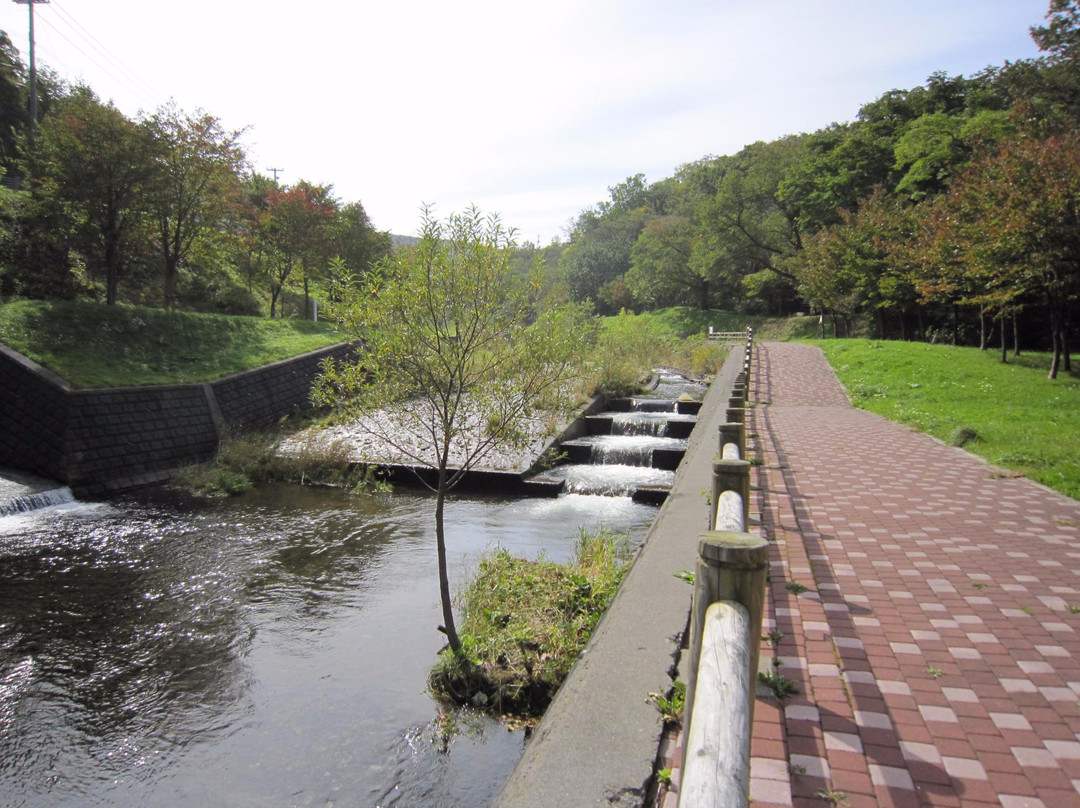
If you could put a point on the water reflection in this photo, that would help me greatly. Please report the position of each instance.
(270, 650)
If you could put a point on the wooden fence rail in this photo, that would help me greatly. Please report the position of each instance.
(725, 627)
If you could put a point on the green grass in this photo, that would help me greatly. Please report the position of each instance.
(93, 345)
(682, 321)
(1009, 414)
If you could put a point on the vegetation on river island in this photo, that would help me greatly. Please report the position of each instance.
(525, 622)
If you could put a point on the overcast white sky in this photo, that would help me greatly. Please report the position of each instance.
(528, 110)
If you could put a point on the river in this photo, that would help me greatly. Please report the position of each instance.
(268, 650)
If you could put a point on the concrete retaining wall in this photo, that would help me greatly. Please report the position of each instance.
(103, 441)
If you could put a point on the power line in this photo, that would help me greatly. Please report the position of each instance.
(111, 71)
(101, 48)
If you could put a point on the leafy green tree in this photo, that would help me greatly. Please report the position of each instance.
(661, 273)
(195, 188)
(1059, 39)
(296, 231)
(356, 241)
(598, 255)
(98, 166)
(752, 226)
(1010, 227)
(452, 338)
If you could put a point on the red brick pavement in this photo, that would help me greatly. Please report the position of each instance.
(937, 647)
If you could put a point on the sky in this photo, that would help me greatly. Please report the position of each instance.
(528, 110)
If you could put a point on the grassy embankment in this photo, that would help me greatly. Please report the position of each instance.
(1009, 414)
(93, 345)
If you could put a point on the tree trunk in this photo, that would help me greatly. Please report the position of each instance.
(307, 298)
(1066, 353)
(1055, 338)
(955, 325)
(448, 627)
(112, 271)
(1016, 335)
(1004, 344)
(984, 337)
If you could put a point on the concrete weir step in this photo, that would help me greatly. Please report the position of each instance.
(601, 425)
(672, 405)
(580, 451)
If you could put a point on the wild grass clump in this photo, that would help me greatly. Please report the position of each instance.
(631, 345)
(962, 436)
(245, 459)
(628, 347)
(524, 623)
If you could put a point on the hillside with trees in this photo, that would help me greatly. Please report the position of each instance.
(163, 211)
(946, 212)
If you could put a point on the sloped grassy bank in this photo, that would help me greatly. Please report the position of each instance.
(525, 622)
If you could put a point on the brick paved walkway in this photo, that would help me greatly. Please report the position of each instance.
(937, 648)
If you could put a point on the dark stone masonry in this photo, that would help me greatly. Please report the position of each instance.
(104, 441)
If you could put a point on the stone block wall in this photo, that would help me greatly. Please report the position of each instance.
(125, 438)
(33, 415)
(260, 397)
(103, 441)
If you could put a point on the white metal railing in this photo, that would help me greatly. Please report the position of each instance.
(727, 336)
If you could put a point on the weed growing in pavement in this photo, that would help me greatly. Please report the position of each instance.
(937, 673)
(671, 707)
(796, 587)
(832, 797)
(780, 685)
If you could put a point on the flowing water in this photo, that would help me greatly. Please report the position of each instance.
(270, 650)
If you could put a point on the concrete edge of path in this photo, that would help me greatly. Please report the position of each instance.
(597, 743)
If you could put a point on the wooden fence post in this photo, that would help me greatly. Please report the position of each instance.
(732, 475)
(730, 566)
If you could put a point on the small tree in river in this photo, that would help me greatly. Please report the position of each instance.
(453, 337)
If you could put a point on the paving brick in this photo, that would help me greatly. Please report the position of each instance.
(956, 694)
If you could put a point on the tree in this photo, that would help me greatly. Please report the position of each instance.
(296, 227)
(598, 255)
(660, 271)
(450, 336)
(195, 186)
(356, 241)
(1011, 224)
(96, 164)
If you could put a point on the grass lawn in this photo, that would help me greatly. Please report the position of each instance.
(93, 345)
(1009, 414)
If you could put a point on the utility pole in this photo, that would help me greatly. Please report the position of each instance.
(33, 68)
(274, 171)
